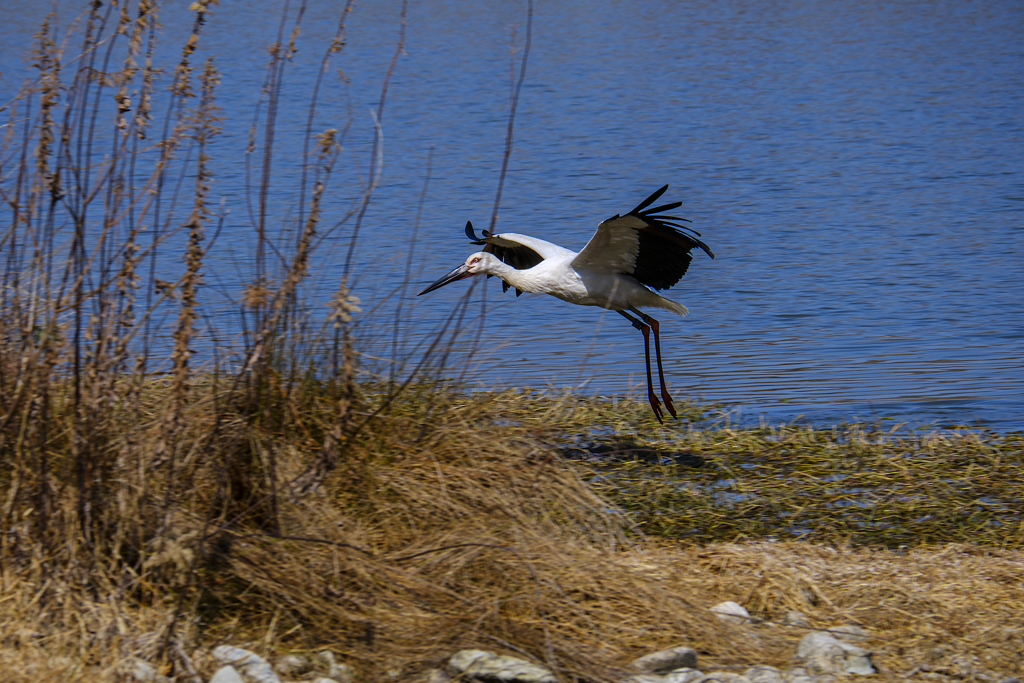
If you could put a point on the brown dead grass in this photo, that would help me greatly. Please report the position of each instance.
(440, 530)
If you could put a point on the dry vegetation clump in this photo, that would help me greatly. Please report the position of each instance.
(441, 532)
(446, 526)
(435, 531)
(934, 613)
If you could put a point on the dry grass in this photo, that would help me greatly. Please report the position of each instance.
(447, 526)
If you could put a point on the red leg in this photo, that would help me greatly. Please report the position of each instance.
(650, 383)
(646, 330)
(661, 372)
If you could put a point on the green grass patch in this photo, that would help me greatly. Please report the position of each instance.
(698, 480)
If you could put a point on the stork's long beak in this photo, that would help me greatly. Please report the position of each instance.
(453, 275)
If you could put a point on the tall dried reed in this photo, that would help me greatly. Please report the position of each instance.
(117, 456)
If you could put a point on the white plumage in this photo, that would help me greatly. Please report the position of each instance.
(627, 259)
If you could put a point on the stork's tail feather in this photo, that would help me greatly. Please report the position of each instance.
(675, 307)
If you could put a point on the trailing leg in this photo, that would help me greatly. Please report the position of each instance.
(661, 372)
(646, 330)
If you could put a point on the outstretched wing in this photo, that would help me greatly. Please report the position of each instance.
(645, 243)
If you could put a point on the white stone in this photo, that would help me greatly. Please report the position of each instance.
(249, 664)
(823, 654)
(731, 611)
(144, 672)
(683, 675)
(484, 664)
(666, 660)
(435, 676)
(851, 633)
(722, 676)
(763, 674)
(226, 674)
(293, 665)
(340, 672)
(796, 618)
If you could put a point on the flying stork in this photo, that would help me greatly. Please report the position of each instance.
(627, 259)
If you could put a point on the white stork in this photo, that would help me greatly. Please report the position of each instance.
(627, 259)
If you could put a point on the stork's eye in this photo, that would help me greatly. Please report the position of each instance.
(475, 261)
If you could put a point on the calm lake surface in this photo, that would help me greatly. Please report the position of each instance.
(857, 168)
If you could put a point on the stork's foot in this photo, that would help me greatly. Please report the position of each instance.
(668, 402)
(656, 406)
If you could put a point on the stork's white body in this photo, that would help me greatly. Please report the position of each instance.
(594, 282)
(627, 259)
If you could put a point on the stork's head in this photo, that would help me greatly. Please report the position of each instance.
(476, 264)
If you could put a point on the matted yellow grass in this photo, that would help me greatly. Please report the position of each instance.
(420, 544)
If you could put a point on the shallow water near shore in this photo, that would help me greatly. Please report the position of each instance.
(857, 169)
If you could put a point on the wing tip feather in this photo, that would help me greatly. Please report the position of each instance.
(650, 200)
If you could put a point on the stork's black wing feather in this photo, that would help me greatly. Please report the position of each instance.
(650, 200)
(519, 257)
(664, 207)
(664, 245)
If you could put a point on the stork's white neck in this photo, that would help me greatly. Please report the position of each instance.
(492, 265)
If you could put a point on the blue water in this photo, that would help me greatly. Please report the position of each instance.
(857, 168)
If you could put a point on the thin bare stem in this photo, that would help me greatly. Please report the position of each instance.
(513, 106)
